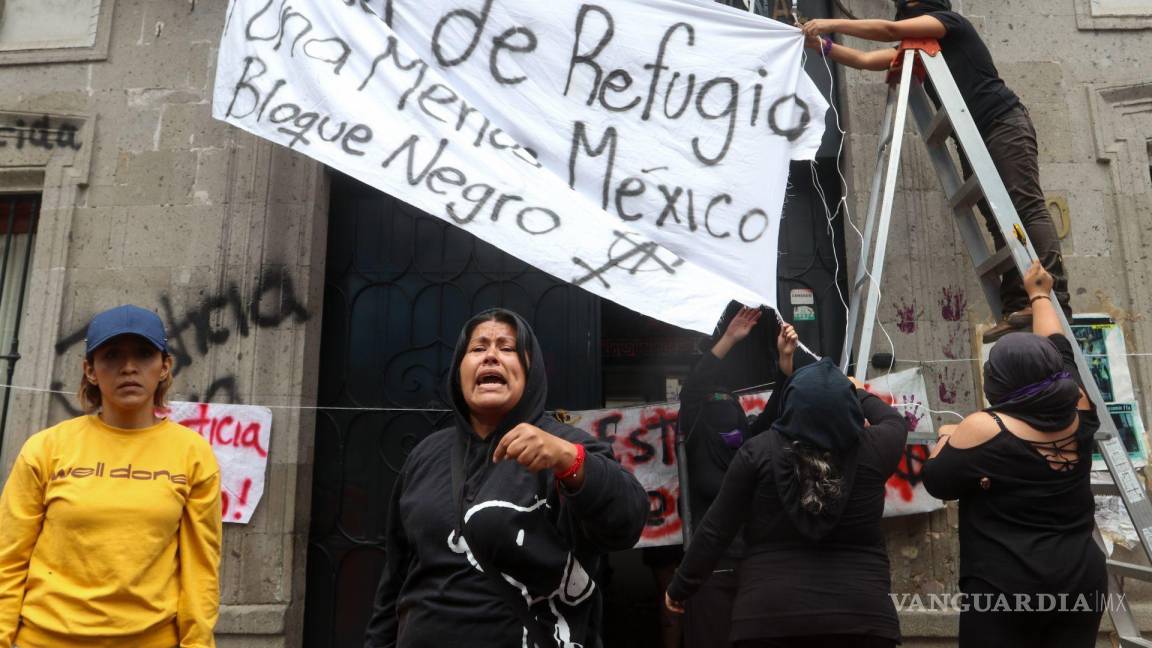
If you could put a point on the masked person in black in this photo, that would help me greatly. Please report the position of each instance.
(498, 524)
(1031, 572)
(715, 427)
(809, 495)
(1003, 122)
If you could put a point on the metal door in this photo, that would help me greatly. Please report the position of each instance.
(399, 285)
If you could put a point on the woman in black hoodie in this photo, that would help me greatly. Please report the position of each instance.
(809, 494)
(498, 523)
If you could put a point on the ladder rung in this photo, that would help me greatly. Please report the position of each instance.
(1105, 489)
(1131, 570)
(967, 194)
(938, 129)
(998, 263)
(1134, 642)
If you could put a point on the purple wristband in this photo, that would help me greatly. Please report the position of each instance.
(826, 46)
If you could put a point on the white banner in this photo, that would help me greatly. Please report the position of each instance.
(638, 148)
(240, 437)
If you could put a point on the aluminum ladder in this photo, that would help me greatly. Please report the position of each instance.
(916, 60)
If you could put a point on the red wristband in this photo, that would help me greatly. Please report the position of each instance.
(571, 471)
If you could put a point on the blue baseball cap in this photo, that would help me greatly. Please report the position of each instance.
(124, 320)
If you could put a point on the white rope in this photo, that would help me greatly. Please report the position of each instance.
(842, 206)
(334, 408)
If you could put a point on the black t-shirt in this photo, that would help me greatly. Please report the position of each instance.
(1024, 527)
(971, 65)
(791, 585)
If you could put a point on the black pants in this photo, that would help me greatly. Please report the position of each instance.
(820, 641)
(1011, 142)
(980, 627)
(708, 614)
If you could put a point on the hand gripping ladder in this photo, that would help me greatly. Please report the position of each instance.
(916, 60)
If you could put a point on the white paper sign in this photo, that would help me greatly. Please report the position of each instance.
(906, 391)
(240, 437)
(638, 148)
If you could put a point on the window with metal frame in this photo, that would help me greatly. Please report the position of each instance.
(19, 214)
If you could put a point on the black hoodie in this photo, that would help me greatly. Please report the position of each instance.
(803, 574)
(509, 547)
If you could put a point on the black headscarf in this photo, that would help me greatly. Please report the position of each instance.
(922, 7)
(1025, 379)
(531, 404)
(819, 407)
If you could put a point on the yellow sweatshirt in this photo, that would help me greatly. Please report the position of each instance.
(110, 538)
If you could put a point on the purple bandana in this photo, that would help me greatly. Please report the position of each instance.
(1027, 391)
(733, 439)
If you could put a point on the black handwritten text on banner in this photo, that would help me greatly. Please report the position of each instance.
(637, 148)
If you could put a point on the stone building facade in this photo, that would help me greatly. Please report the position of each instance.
(1080, 67)
(144, 198)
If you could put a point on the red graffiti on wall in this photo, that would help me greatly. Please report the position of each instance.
(907, 315)
(953, 304)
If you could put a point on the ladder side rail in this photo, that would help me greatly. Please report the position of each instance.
(885, 217)
(1136, 499)
(1004, 213)
(1131, 490)
(1123, 620)
(861, 278)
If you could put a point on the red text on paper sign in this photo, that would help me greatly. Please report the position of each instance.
(652, 439)
(241, 500)
(663, 514)
(909, 473)
(225, 430)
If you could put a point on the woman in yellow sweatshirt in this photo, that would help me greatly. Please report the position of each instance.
(110, 522)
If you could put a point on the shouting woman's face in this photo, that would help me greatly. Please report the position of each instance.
(491, 374)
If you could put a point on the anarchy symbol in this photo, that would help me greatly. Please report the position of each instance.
(645, 256)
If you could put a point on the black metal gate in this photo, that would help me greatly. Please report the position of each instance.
(18, 216)
(399, 285)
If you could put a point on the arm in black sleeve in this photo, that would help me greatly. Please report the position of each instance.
(888, 428)
(610, 508)
(950, 474)
(699, 383)
(384, 624)
(724, 519)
